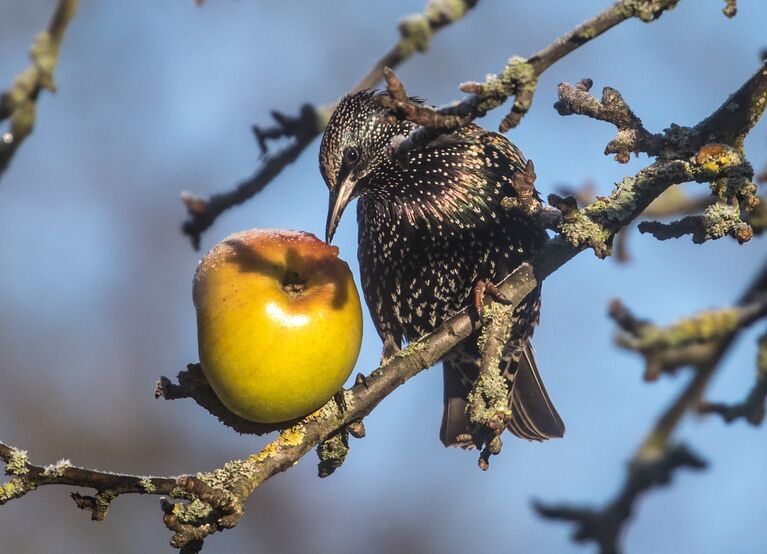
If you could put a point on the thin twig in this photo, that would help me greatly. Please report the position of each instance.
(416, 32)
(664, 348)
(519, 78)
(19, 103)
(656, 459)
(604, 526)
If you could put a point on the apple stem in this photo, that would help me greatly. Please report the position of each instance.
(293, 284)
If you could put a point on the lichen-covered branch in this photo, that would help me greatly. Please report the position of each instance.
(416, 32)
(666, 349)
(717, 221)
(519, 78)
(488, 408)
(734, 191)
(752, 408)
(657, 458)
(630, 198)
(675, 202)
(743, 110)
(19, 103)
(26, 477)
(632, 136)
(597, 222)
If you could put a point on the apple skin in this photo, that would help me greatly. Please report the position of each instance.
(279, 323)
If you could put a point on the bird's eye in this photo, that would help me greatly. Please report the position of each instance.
(351, 156)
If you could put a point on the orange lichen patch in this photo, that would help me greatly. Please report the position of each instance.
(715, 156)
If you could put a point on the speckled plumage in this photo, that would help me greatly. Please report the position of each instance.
(429, 230)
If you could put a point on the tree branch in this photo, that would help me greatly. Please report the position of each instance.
(19, 103)
(215, 500)
(519, 78)
(632, 136)
(416, 32)
(488, 406)
(604, 526)
(596, 224)
(656, 458)
(752, 408)
(666, 349)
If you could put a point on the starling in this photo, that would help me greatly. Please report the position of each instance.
(431, 228)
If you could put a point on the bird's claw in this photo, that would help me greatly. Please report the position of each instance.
(483, 287)
(390, 347)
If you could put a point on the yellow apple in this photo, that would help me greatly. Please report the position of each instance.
(279, 323)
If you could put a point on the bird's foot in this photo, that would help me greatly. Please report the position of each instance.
(390, 347)
(483, 287)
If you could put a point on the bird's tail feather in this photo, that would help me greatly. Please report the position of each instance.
(533, 415)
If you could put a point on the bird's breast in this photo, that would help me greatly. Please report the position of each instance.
(414, 276)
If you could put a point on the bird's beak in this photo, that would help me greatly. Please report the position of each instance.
(339, 198)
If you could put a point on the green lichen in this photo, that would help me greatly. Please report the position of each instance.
(332, 453)
(518, 73)
(348, 397)
(446, 10)
(329, 410)
(182, 494)
(147, 486)
(587, 33)
(232, 471)
(702, 327)
(18, 462)
(737, 188)
(411, 349)
(494, 314)
(487, 404)
(721, 220)
(582, 232)
(193, 513)
(646, 10)
(618, 206)
(293, 436)
(488, 401)
(416, 35)
(14, 488)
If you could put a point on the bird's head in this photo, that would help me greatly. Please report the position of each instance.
(354, 148)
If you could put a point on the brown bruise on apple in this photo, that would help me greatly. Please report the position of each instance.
(279, 323)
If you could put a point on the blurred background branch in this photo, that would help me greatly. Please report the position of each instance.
(19, 103)
(657, 458)
(415, 31)
(519, 78)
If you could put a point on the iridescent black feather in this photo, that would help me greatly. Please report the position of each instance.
(429, 230)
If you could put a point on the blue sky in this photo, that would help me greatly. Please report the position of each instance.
(95, 293)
